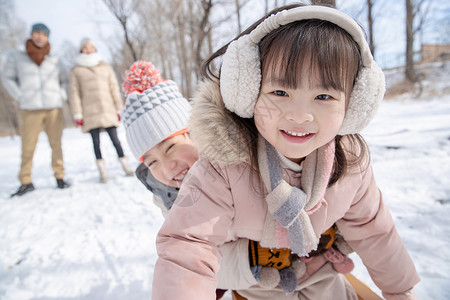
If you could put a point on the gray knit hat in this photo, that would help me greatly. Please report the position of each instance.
(153, 115)
(40, 27)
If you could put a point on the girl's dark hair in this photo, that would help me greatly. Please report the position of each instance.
(319, 49)
(207, 68)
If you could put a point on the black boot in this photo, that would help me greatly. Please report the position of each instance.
(23, 189)
(62, 184)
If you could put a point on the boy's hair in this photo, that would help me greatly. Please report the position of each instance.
(317, 46)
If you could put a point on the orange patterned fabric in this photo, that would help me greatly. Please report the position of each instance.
(266, 257)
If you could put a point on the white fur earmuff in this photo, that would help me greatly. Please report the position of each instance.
(240, 78)
(232, 86)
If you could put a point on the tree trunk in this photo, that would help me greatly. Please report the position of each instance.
(9, 114)
(238, 15)
(123, 12)
(183, 57)
(203, 33)
(410, 73)
(370, 22)
(329, 3)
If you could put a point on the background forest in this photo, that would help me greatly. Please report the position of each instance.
(177, 35)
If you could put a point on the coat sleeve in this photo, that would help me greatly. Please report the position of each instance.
(235, 273)
(62, 81)
(9, 77)
(188, 241)
(369, 229)
(75, 96)
(114, 89)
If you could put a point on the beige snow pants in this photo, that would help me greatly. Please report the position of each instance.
(32, 123)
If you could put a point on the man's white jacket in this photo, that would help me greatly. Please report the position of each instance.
(34, 87)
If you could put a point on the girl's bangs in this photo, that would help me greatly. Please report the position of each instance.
(314, 53)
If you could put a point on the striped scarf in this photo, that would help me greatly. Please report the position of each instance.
(287, 222)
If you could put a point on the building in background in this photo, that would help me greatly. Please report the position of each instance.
(435, 52)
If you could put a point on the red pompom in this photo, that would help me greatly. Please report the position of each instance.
(141, 76)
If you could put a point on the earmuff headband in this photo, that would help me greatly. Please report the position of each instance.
(240, 77)
(315, 12)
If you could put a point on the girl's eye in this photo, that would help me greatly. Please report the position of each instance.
(170, 147)
(323, 97)
(280, 93)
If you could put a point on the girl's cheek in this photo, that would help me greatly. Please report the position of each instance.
(195, 156)
(188, 156)
(260, 125)
(191, 159)
(191, 155)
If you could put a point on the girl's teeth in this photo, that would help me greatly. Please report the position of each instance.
(181, 176)
(296, 133)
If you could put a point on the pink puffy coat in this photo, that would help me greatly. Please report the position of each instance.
(222, 202)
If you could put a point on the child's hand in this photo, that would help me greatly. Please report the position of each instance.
(79, 122)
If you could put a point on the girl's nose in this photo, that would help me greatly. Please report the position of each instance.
(299, 112)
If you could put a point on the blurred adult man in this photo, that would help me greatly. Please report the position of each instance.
(33, 79)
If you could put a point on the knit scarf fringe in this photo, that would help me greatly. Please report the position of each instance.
(287, 222)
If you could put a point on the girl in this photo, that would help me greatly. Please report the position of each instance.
(282, 163)
(95, 102)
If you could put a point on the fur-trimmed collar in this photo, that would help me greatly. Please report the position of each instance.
(213, 129)
(88, 60)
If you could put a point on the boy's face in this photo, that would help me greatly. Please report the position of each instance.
(170, 160)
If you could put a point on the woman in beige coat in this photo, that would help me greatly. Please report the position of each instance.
(95, 102)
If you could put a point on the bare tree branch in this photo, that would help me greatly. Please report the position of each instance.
(123, 11)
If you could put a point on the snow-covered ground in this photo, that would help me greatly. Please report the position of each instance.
(97, 241)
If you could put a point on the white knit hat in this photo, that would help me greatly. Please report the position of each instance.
(85, 41)
(151, 116)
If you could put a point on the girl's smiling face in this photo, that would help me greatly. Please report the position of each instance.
(308, 71)
(170, 160)
(299, 120)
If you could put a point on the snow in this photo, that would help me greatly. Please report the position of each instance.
(97, 241)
